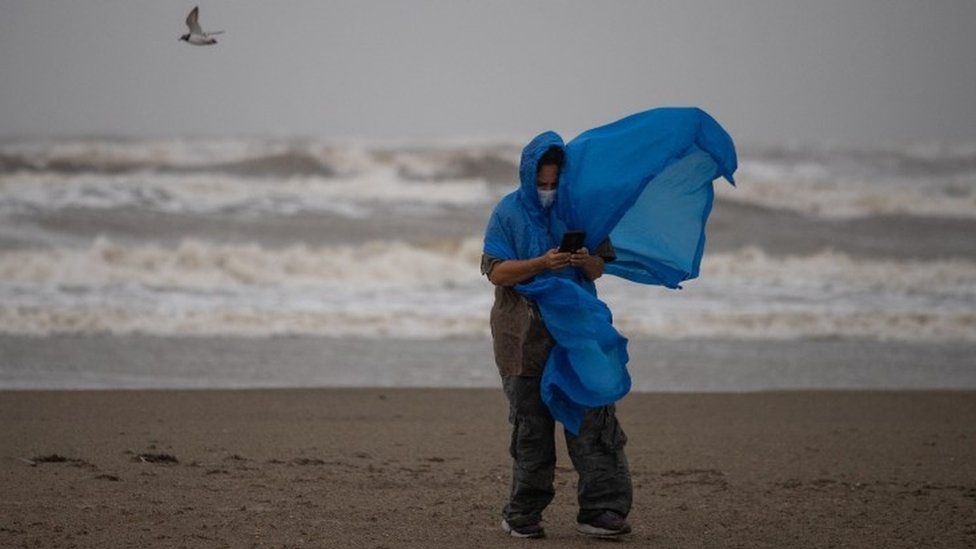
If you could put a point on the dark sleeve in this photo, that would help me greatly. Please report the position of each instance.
(606, 251)
(488, 263)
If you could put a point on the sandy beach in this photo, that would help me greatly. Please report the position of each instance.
(429, 468)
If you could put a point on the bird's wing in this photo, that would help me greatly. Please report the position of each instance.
(192, 21)
(215, 32)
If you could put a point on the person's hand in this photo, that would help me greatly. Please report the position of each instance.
(554, 259)
(582, 258)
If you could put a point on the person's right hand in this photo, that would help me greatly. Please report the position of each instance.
(554, 259)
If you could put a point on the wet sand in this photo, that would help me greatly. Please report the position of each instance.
(429, 468)
(139, 361)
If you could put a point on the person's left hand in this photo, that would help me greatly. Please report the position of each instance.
(582, 258)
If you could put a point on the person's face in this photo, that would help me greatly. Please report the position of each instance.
(547, 178)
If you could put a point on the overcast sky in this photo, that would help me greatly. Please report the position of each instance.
(840, 71)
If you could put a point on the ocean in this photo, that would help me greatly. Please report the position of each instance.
(245, 240)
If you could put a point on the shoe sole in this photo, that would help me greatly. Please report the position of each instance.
(595, 532)
(511, 531)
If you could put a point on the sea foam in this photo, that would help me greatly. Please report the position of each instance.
(435, 290)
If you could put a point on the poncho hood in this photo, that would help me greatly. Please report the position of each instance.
(529, 166)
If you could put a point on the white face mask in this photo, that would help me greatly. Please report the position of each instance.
(547, 197)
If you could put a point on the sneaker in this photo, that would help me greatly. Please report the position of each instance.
(527, 531)
(608, 524)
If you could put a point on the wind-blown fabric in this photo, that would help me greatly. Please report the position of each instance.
(645, 182)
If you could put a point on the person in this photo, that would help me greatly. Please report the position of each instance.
(521, 347)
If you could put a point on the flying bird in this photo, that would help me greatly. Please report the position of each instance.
(196, 36)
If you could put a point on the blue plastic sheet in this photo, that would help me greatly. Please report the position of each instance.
(646, 182)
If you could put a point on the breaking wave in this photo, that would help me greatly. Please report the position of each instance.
(384, 289)
(262, 158)
(217, 193)
(923, 180)
(926, 181)
(198, 265)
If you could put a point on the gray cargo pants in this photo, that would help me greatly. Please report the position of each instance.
(597, 454)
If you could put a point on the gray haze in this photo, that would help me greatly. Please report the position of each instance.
(862, 73)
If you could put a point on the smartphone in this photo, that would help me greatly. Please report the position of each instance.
(572, 241)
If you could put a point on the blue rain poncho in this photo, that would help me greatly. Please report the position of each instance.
(646, 183)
